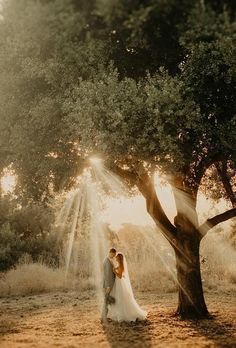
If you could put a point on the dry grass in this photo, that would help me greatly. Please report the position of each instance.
(218, 267)
(34, 278)
(31, 278)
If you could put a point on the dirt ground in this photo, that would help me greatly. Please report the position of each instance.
(71, 320)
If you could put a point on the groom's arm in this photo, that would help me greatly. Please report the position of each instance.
(107, 291)
(107, 280)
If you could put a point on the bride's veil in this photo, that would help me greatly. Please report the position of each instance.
(126, 277)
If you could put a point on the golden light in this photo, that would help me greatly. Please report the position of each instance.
(95, 161)
(126, 210)
(133, 210)
(8, 183)
(165, 195)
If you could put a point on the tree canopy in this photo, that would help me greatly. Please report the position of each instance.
(154, 80)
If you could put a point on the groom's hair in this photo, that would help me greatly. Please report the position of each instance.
(113, 250)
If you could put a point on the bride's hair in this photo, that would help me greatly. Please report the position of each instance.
(120, 258)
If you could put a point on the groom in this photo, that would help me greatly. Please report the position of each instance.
(108, 282)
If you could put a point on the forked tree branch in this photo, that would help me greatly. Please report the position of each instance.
(154, 208)
(212, 222)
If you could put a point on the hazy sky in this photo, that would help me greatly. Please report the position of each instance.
(133, 210)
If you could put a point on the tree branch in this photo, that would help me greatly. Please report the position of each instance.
(154, 208)
(222, 171)
(201, 168)
(212, 222)
(127, 175)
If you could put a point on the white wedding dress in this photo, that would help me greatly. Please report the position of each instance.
(125, 307)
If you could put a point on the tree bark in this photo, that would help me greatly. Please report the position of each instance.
(191, 302)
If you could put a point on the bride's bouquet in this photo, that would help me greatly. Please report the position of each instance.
(110, 299)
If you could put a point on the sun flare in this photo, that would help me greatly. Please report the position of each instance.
(95, 161)
(8, 183)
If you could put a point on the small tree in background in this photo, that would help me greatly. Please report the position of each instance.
(28, 231)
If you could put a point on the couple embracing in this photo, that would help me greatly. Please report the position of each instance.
(119, 302)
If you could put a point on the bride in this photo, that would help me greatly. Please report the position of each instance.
(125, 307)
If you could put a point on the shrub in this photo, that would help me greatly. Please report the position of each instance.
(28, 230)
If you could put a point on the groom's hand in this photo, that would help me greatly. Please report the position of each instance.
(107, 290)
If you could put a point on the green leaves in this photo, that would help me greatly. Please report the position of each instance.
(209, 72)
(148, 119)
(74, 79)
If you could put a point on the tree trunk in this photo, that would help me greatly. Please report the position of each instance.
(185, 238)
(191, 299)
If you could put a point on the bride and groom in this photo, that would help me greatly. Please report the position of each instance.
(119, 302)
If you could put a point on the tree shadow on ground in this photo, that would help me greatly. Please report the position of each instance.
(134, 334)
(221, 333)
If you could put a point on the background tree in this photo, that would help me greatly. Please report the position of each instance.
(27, 231)
(46, 49)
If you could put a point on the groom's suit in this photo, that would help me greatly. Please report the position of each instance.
(108, 282)
(108, 275)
